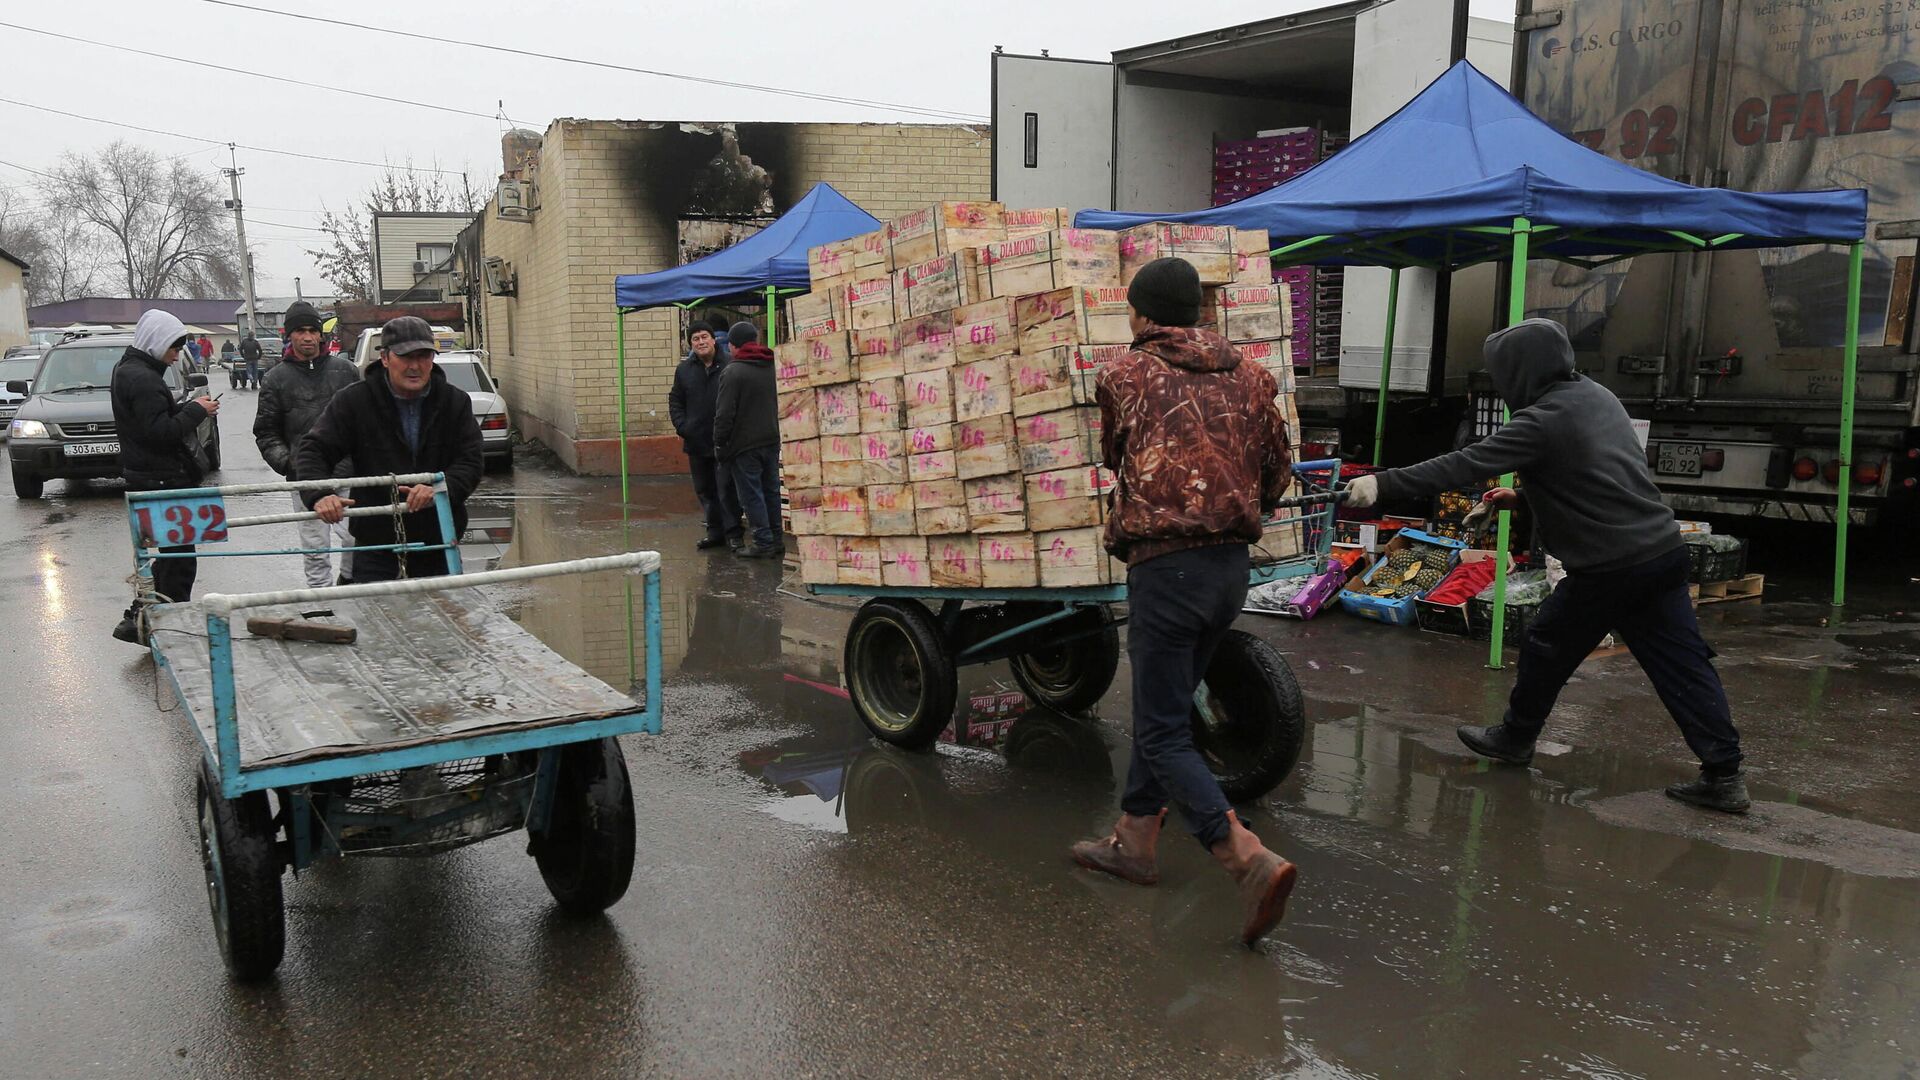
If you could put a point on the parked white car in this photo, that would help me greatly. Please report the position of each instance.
(16, 368)
(468, 371)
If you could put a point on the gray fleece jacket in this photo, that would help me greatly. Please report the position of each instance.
(1583, 472)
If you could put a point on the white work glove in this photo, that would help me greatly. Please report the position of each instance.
(1363, 491)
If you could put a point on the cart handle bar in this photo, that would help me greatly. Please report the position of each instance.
(314, 515)
(635, 562)
(328, 484)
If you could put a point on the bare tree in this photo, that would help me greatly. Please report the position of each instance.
(347, 259)
(64, 252)
(161, 221)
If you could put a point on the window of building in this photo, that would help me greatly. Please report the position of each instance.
(436, 256)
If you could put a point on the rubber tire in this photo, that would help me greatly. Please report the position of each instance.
(1072, 677)
(241, 861)
(213, 449)
(586, 853)
(28, 486)
(901, 635)
(1251, 683)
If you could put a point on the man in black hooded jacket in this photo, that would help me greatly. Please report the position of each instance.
(1585, 479)
(402, 417)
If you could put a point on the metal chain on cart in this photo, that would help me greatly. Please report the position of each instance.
(399, 530)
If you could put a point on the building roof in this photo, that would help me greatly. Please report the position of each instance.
(14, 259)
(274, 305)
(120, 309)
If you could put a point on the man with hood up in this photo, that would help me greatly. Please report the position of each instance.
(1199, 450)
(157, 432)
(746, 437)
(291, 397)
(1585, 478)
(250, 353)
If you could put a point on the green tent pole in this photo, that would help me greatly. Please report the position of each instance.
(1847, 381)
(620, 351)
(1516, 311)
(1386, 368)
(773, 321)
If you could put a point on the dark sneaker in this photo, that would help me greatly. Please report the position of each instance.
(707, 543)
(758, 552)
(1498, 742)
(1727, 794)
(129, 631)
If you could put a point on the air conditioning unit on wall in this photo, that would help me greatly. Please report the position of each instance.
(500, 277)
(421, 266)
(516, 201)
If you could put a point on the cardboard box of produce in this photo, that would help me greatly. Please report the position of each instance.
(804, 512)
(1063, 439)
(820, 560)
(1253, 312)
(1042, 381)
(823, 311)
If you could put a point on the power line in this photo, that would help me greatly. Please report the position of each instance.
(253, 74)
(755, 87)
(223, 142)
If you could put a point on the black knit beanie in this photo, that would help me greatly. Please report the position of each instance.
(1167, 292)
(743, 333)
(301, 316)
(717, 322)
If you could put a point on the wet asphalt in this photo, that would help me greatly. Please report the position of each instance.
(808, 902)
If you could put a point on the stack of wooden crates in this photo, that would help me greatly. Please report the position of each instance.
(937, 405)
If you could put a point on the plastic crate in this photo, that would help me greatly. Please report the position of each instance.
(1706, 566)
(1480, 620)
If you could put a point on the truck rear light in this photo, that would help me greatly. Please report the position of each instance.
(1831, 474)
(1805, 468)
(1866, 475)
(1713, 460)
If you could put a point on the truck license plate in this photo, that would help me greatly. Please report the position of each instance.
(1678, 459)
(83, 449)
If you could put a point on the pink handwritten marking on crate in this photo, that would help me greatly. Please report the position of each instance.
(801, 453)
(999, 552)
(884, 500)
(843, 449)
(972, 437)
(841, 502)
(907, 562)
(855, 559)
(790, 371)
(983, 334)
(1035, 378)
(926, 392)
(923, 440)
(877, 450)
(997, 501)
(832, 405)
(1054, 486)
(1060, 549)
(873, 346)
(954, 557)
(1041, 429)
(930, 334)
(878, 400)
(1083, 239)
(975, 379)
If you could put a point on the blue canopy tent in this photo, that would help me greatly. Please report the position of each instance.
(758, 269)
(1465, 174)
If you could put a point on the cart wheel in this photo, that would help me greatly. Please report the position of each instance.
(242, 865)
(1074, 675)
(1248, 717)
(900, 673)
(586, 853)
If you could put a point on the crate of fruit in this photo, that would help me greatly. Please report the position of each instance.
(1526, 591)
(1713, 557)
(1409, 566)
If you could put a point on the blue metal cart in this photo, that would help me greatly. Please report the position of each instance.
(441, 724)
(1063, 645)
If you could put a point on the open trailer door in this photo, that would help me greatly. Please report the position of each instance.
(1052, 132)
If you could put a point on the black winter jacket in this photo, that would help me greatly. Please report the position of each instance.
(291, 397)
(249, 349)
(747, 414)
(362, 422)
(154, 426)
(696, 389)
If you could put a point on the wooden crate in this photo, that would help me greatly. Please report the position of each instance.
(825, 358)
(890, 510)
(1042, 262)
(986, 446)
(1045, 321)
(940, 506)
(1067, 498)
(982, 389)
(1209, 248)
(838, 407)
(826, 261)
(866, 251)
(925, 342)
(1252, 263)
(819, 560)
(822, 311)
(800, 464)
(874, 354)
(1044, 219)
(870, 300)
(942, 229)
(886, 457)
(1101, 315)
(790, 368)
(937, 285)
(1276, 356)
(881, 406)
(996, 504)
(1253, 312)
(858, 561)
(1075, 557)
(843, 511)
(805, 512)
(1084, 363)
(983, 330)
(956, 561)
(799, 414)
(1007, 561)
(929, 397)
(1063, 439)
(1041, 381)
(930, 453)
(904, 562)
(843, 461)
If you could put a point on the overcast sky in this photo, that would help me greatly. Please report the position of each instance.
(869, 49)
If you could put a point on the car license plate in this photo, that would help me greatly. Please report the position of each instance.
(1678, 459)
(87, 449)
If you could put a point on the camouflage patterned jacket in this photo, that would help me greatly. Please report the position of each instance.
(1196, 441)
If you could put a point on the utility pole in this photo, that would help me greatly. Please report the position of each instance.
(240, 231)
(297, 294)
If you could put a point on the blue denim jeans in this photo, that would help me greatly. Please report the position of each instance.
(756, 480)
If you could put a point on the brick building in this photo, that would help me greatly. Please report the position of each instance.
(612, 197)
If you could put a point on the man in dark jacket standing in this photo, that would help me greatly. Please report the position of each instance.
(250, 353)
(402, 417)
(291, 397)
(157, 432)
(1199, 450)
(1597, 509)
(690, 404)
(746, 437)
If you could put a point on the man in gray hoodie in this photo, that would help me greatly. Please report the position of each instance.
(1584, 476)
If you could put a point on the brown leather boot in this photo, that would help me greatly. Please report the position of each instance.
(1265, 879)
(1128, 853)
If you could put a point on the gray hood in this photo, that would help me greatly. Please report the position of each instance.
(1526, 358)
(156, 331)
